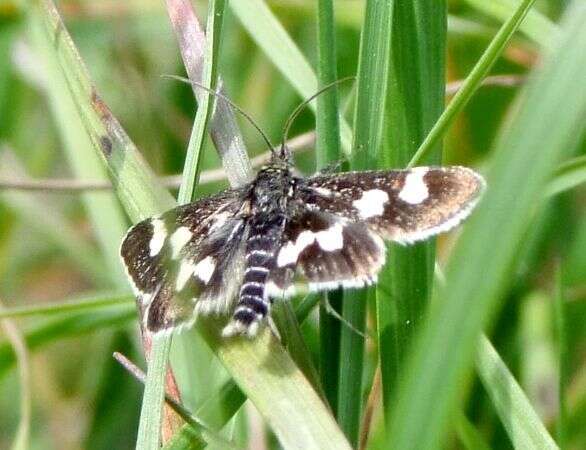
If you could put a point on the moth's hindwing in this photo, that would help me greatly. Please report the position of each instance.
(325, 251)
(404, 206)
(185, 261)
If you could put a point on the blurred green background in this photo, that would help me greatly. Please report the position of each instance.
(49, 251)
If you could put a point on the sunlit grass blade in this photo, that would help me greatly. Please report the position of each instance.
(152, 407)
(569, 175)
(552, 110)
(222, 127)
(271, 37)
(468, 434)
(564, 359)
(523, 426)
(106, 217)
(328, 151)
(14, 336)
(73, 324)
(415, 99)
(536, 26)
(205, 103)
(473, 81)
(373, 71)
(77, 305)
(135, 184)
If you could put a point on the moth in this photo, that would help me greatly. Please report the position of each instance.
(240, 250)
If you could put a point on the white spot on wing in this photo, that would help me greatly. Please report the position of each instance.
(414, 189)
(178, 239)
(219, 220)
(185, 271)
(322, 191)
(205, 269)
(372, 203)
(331, 239)
(159, 235)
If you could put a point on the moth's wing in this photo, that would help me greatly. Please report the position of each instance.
(400, 205)
(185, 262)
(324, 252)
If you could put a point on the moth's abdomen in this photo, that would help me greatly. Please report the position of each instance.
(260, 255)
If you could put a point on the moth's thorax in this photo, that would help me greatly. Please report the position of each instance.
(271, 189)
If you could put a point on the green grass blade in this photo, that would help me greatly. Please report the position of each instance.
(271, 37)
(550, 115)
(373, 70)
(205, 104)
(151, 412)
(523, 425)
(468, 434)
(73, 325)
(93, 303)
(135, 184)
(223, 127)
(473, 81)
(564, 358)
(328, 151)
(14, 336)
(152, 406)
(569, 175)
(106, 216)
(270, 379)
(536, 26)
(415, 99)
(327, 117)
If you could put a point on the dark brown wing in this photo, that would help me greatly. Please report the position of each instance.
(184, 262)
(401, 205)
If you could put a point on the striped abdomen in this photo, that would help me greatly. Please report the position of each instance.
(253, 303)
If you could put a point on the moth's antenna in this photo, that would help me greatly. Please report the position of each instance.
(227, 100)
(302, 105)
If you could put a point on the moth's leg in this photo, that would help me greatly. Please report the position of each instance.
(331, 311)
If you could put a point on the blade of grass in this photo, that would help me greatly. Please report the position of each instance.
(468, 434)
(373, 70)
(288, 402)
(415, 99)
(190, 357)
(328, 151)
(536, 26)
(22, 438)
(72, 325)
(268, 33)
(222, 127)
(93, 303)
(523, 425)
(569, 175)
(473, 81)
(152, 406)
(151, 412)
(221, 407)
(564, 356)
(209, 78)
(134, 182)
(549, 117)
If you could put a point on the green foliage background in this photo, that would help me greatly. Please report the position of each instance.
(518, 272)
